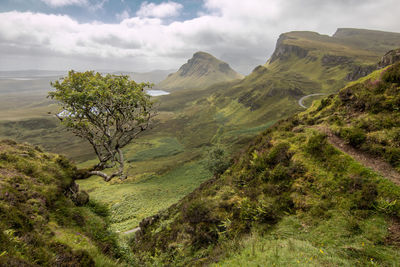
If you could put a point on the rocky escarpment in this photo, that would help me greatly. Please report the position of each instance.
(359, 71)
(283, 50)
(389, 58)
(333, 60)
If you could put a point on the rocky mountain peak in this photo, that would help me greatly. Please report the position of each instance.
(202, 70)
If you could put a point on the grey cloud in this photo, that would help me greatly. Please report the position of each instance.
(243, 33)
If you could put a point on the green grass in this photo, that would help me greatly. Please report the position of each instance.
(158, 148)
(293, 242)
(306, 202)
(130, 202)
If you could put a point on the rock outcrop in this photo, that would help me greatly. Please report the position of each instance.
(283, 50)
(389, 58)
(200, 71)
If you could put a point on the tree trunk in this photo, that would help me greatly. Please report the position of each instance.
(119, 172)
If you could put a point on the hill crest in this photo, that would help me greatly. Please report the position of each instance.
(202, 70)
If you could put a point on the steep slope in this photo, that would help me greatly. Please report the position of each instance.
(44, 219)
(200, 71)
(292, 196)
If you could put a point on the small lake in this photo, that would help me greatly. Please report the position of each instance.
(157, 92)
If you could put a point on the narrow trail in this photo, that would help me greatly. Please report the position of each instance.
(376, 164)
(301, 100)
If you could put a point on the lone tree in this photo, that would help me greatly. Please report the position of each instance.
(109, 111)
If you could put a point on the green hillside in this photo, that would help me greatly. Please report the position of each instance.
(44, 219)
(229, 114)
(167, 162)
(200, 71)
(316, 189)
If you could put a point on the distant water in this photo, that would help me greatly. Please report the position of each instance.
(157, 92)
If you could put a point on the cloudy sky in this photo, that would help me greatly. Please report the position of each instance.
(135, 35)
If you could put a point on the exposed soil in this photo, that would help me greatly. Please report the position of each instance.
(394, 233)
(376, 164)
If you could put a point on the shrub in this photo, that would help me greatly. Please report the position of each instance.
(354, 136)
(279, 154)
(279, 173)
(315, 144)
(392, 155)
(217, 161)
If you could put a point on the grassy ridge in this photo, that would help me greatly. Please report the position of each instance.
(303, 201)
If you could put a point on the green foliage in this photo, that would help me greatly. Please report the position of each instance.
(354, 136)
(217, 160)
(35, 210)
(316, 144)
(108, 111)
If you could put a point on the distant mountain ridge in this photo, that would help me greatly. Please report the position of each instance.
(201, 70)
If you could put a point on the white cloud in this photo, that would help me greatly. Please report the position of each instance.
(242, 32)
(163, 10)
(123, 15)
(61, 3)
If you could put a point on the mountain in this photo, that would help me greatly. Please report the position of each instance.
(303, 63)
(45, 220)
(200, 71)
(320, 188)
(295, 215)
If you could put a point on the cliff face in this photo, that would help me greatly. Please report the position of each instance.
(200, 71)
(283, 50)
(389, 58)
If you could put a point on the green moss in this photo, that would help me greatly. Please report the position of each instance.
(36, 210)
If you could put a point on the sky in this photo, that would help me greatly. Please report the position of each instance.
(140, 36)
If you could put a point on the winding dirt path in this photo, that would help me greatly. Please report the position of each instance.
(376, 164)
(301, 100)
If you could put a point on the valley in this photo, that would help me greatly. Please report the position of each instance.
(298, 191)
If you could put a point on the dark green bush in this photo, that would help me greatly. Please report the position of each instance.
(217, 161)
(354, 136)
(279, 154)
(279, 173)
(392, 155)
(197, 211)
(316, 143)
